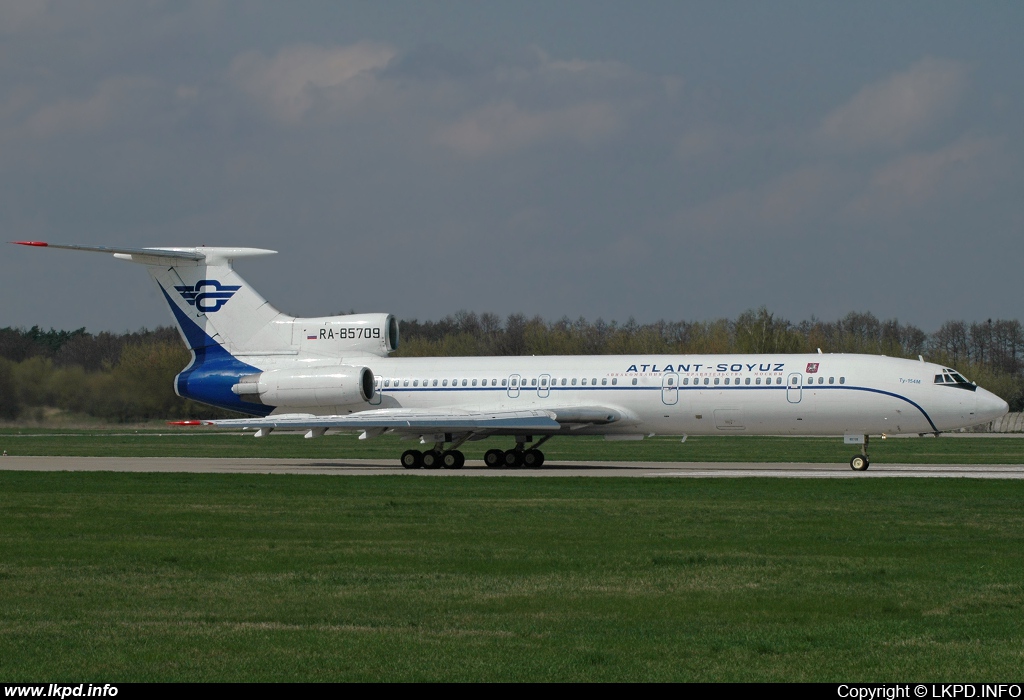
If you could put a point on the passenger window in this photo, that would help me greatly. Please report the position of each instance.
(615, 380)
(671, 382)
(434, 383)
(593, 381)
(831, 380)
(716, 381)
(604, 381)
(794, 380)
(543, 382)
(686, 380)
(505, 380)
(515, 382)
(533, 382)
(405, 383)
(634, 381)
(747, 381)
(584, 381)
(415, 382)
(574, 381)
(821, 380)
(563, 381)
(842, 380)
(464, 382)
(706, 381)
(444, 383)
(778, 380)
(474, 382)
(387, 382)
(757, 381)
(726, 380)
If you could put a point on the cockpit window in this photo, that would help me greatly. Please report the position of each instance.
(951, 376)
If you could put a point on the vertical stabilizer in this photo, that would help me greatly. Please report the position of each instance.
(212, 304)
(223, 321)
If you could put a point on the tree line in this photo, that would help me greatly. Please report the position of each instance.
(129, 377)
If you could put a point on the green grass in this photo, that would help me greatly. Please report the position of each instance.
(200, 442)
(144, 577)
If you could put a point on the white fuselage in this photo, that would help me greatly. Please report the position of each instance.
(689, 395)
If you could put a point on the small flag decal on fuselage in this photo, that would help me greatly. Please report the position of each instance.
(812, 367)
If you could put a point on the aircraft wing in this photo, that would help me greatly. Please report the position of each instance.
(418, 421)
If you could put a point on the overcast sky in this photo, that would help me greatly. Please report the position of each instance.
(676, 160)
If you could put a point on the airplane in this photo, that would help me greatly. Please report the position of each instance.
(335, 373)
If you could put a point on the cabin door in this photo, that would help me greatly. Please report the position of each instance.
(544, 388)
(795, 387)
(670, 389)
(513, 386)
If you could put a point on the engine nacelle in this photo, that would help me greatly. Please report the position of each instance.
(341, 336)
(320, 387)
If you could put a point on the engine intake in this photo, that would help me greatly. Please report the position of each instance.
(320, 387)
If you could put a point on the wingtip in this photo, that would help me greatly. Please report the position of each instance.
(38, 244)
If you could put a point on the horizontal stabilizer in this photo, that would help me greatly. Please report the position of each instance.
(212, 255)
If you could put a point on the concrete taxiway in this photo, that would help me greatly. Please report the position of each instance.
(360, 467)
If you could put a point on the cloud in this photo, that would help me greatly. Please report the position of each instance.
(504, 127)
(894, 111)
(23, 15)
(784, 205)
(916, 180)
(112, 100)
(289, 83)
(474, 105)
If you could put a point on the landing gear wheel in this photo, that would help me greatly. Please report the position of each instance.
(453, 459)
(432, 459)
(494, 458)
(860, 462)
(533, 459)
(412, 459)
(512, 459)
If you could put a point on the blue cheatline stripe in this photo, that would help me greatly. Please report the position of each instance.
(701, 387)
(213, 370)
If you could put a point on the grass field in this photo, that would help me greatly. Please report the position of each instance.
(119, 577)
(199, 442)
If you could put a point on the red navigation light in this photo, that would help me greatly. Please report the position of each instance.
(35, 243)
(184, 422)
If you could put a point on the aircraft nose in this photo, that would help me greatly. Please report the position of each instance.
(990, 406)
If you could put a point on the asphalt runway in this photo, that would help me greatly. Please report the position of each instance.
(361, 467)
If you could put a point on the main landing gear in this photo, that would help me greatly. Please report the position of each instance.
(433, 459)
(518, 457)
(861, 462)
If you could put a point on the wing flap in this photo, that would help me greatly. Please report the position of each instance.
(436, 420)
(404, 420)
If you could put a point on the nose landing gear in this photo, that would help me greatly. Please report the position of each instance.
(861, 462)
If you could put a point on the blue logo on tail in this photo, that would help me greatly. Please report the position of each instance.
(208, 295)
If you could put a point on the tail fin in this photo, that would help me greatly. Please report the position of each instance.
(219, 316)
(211, 303)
